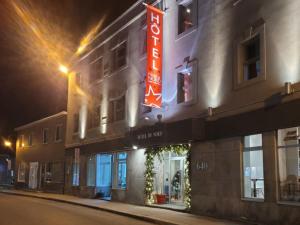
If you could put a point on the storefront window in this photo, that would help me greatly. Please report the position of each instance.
(253, 169)
(91, 171)
(76, 167)
(122, 165)
(289, 164)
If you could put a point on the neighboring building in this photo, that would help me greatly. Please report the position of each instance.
(40, 154)
(229, 125)
(7, 160)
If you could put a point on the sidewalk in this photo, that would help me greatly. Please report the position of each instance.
(149, 214)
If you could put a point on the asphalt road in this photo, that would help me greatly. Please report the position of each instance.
(17, 210)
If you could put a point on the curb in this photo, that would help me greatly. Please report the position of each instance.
(134, 216)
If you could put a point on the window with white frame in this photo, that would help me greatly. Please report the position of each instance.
(251, 53)
(187, 15)
(30, 139)
(186, 82)
(78, 79)
(58, 132)
(45, 135)
(185, 86)
(116, 110)
(253, 167)
(21, 172)
(250, 58)
(121, 170)
(96, 71)
(21, 141)
(119, 55)
(289, 164)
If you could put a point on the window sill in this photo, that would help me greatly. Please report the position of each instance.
(251, 82)
(186, 33)
(289, 203)
(259, 200)
(113, 73)
(119, 189)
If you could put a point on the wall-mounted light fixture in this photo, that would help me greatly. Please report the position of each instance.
(209, 111)
(159, 118)
(288, 88)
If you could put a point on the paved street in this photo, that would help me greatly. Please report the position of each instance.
(16, 210)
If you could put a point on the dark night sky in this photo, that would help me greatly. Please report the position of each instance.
(26, 92)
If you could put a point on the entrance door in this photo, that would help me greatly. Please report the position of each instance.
(176, 191)
(104, 175)
(33, 172)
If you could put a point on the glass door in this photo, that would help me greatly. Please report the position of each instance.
(104, 175)
(176, 191)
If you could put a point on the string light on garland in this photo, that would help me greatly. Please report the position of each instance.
(151, 153)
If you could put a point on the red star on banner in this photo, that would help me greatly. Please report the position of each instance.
(152, 99)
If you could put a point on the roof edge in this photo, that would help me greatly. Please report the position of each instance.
(62, 113)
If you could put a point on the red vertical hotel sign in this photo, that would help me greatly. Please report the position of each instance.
(153, 92)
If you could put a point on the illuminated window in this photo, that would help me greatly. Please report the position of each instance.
(96, 70)
(119, 55)
(253, 167)
(58, 133)
(289, 164)
(184, 86)
(186, 16)
(21, 141)
(76, 167)
(121, 170)
(45, 135)
(21, 172)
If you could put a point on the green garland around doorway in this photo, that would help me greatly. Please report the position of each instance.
(181, 149)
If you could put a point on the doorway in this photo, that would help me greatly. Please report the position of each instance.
(169, 179)
(33, 172)
(104, 168)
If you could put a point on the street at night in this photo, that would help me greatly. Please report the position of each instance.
(16, 210)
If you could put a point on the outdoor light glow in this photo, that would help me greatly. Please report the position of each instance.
(7, 143)
(63, 69)
(134, 147)
(88, 38)
(45, 42)
(188, 10)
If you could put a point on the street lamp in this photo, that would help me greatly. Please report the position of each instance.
(62, 68)
(7, 144)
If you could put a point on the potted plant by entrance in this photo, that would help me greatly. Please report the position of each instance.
(160, 197)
